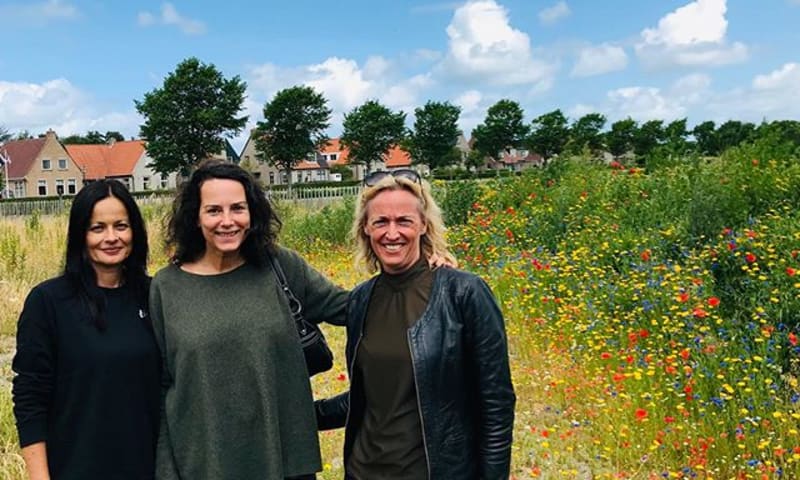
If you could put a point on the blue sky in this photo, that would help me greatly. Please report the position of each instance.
(77, 65)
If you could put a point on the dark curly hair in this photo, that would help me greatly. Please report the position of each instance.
(186, 239)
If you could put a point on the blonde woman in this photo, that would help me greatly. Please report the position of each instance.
(430, 393)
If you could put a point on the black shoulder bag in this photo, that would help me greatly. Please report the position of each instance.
(319, 357)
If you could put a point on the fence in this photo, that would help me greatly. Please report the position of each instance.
(312, 197)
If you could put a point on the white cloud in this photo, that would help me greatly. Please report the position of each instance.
(768, 97)
(600, 59)
(554, 13)
(469, 101)
(644, 103)
(376, 67)
(59, 105)
(344, 84)
(37, 14)
(341, 81)
(788, 78)
(485, 48)
(170, 16)
(692, 35)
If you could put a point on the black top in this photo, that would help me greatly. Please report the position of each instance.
(92, 396)
(389, 443)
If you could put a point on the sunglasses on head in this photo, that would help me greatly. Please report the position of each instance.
(373, 178)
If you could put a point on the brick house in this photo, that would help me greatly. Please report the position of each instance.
(41, 167)
(318, 168)
(125, 161)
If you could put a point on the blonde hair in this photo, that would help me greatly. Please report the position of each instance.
(433, 241)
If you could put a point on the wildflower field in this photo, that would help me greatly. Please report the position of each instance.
(653, 315)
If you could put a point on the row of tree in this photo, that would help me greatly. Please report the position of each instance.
(188, 117)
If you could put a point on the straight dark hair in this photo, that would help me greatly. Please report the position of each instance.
(184, 234)
(78, 267)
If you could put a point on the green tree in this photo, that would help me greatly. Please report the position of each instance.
(23, 135)
(187, 119)
(502, 129)
(585, 134)
(344, 171)
(675, 135)
(620, 138)
(115, 135)
(705, 138)
(370, 130)
(549, 134)
(734, 132)
(433, 140)
(647, 137)
(92, 137)
(294, 127)
(5, 135)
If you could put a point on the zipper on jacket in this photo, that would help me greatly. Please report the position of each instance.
(419, 404)
(352, 371)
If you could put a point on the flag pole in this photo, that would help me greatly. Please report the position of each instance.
(6, 161)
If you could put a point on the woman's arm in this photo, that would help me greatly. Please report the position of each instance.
(489, 350)
(322, 300)
(332, 412)
(35, 456)
(33, 384)
(165, 461)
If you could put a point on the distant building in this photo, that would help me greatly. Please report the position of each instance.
(41, 167)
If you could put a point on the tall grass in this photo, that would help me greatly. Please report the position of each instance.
(652, 315)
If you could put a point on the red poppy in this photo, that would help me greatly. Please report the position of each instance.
(669, 419)
(644, 333)
(646, 255)
(683, 297)
(793, 339)
(342, 377)
(641, 414)
(605, 355)
(713, 302)
(699, 312)
(750, 257)
(685, 354)
(790, 271)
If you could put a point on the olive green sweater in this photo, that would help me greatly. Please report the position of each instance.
(236, 398)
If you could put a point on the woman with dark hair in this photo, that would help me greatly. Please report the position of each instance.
(87, 365)
(236, 399)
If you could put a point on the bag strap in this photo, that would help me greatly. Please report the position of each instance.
(295, 307)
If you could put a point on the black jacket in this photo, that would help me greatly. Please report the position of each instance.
(460, 361)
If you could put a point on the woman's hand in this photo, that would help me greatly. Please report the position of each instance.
(435, 261)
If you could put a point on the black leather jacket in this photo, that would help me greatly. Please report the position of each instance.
(460, 361)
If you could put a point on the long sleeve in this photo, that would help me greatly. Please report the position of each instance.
(332, 412)
(165, 461)
(322, 300)
(489, 350)
(34, 364)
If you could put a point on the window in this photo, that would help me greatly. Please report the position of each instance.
(272, 178)
(163, 181)
(19, 189)
(62, 163)
(320, 174)
(334, 156)
(46, 164)
(59, 187)
(71, 186)
(42, 187)
(145, 183)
